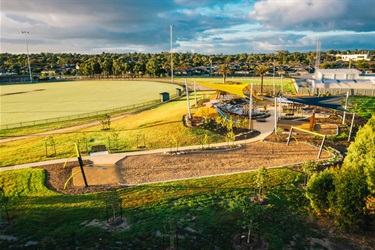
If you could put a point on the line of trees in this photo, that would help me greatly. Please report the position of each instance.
(140, 64)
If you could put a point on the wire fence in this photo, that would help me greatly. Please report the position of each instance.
(87, 115)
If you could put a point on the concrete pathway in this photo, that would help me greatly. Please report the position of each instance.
(265, 129)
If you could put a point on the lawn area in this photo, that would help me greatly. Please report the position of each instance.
(199, 209)
(188, 214)
(30, 102)
(161, 127)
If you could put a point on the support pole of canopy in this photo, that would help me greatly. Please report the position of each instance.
(195, 94)
(250, 105)
(275, 114)
(351, 127)
(346, 105)
(81, 164)
(273, 78)
(187, 98)
(321, 147)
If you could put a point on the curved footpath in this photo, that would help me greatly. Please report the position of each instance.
(265, 129)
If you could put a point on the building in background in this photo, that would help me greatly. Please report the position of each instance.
(354, 57)
(337, 81)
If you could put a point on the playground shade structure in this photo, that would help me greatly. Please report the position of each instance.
(330, 102)
(236, 89)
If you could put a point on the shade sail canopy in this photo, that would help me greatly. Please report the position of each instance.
(236, 89)
(330, 102)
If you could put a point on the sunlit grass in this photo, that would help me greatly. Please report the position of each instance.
(30, 102)
(161, 127)
(50, 218)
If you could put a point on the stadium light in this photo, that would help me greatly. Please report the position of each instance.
(28, 57)
(171, 31)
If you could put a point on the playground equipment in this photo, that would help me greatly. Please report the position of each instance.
(255, 95)
(205, 112)
(236, 101)
(226, 117)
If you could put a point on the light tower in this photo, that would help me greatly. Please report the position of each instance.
(171, 31)
(28, 57)
(317, 57)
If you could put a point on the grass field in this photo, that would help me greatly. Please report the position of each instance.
(161, 127)
(30, 102)
(201, 209)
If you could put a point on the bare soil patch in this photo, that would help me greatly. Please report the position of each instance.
(135, 170)
(162, 167)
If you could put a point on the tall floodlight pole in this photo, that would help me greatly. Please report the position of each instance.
(28, 57)
(171, 31)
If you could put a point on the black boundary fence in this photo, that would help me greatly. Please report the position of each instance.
(87, 115)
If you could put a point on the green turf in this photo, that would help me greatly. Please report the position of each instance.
(161, 127)
(201, 208)
(30, 102)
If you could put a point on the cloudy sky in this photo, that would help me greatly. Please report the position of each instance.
(201, 26)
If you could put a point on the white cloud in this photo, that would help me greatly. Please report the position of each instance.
(214, 26)
(327, 15)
